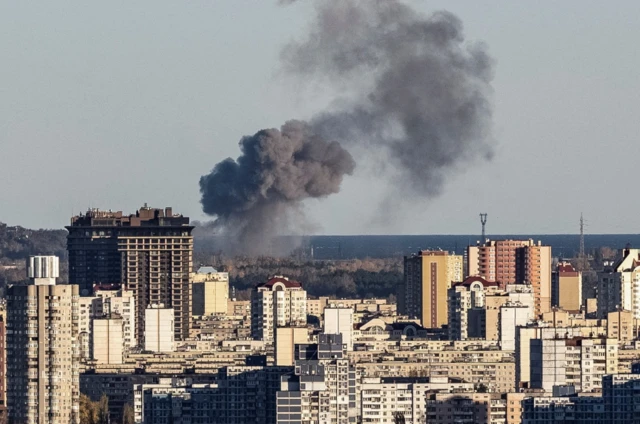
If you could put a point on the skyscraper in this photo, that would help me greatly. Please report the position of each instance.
(149, 252)
(42, 348)
(427, 277)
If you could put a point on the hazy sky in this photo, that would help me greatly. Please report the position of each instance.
(112, 104)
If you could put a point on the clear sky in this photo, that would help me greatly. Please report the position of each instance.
(112, 104)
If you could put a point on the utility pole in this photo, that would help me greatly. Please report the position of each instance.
(483, 221)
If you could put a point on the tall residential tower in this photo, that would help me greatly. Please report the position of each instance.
(149, 252)
(42, 348)
(427, 277)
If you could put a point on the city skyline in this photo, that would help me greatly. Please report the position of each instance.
(160, 89)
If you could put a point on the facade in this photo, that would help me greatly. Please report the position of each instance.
(566, 291)
(479, 310)
(279, 302)
(210, 292)
(108, 301)
(464, 297)
(427, 277)
(619, 286)
(323, 387)
(339, 320)
(515, 262)
(619, 403)
(580, 362)
(158, 336)
(386, 399)
(108, 341)
(285, 344)
(3, 375)
(149, 252)
(42, 350)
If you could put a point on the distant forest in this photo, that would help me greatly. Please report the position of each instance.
(354, 278)
(341, 279)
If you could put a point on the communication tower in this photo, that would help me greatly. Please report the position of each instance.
(483, 221)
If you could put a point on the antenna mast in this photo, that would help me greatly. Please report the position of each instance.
(581, 255)
(483, 221)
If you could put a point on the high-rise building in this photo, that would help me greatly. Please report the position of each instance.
(279, 302)
(210, 291)
(619, 285)
(514, 262)
(566, 287)
(427, 277)
(149, 252)
(42, 348)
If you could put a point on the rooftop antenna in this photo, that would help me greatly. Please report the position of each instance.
(581, 255)
(483, 221)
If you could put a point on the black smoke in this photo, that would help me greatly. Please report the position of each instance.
(258, 195)
(410, 89)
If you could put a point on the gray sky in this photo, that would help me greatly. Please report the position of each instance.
(112, 104)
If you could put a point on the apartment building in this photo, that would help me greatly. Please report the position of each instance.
(108, 340)
(150, 253)
(387, 399)
(278, 302)
(566, 287)
(210, 291)
(158, 336)
(514, 262)
(427, 277)
(339, 320)
(577, 361)
(619, 285)
(322, 389)
(618, 403)
(42, 347)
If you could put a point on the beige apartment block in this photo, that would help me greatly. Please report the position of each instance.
(158, 336)
(427, 277)
(108, 340)
(278, 302)
(42, 348)
(285, 344)
(566, 287)
(210, 292)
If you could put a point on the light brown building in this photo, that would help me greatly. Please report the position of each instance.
(210, 291)
(566, 287)
(428, 276)
(42, 349)
(149, 252)
(285, 344)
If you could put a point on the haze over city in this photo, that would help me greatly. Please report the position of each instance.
(103, 105)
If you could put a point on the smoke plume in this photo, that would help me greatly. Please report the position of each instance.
(258, 195)
(421, 93)
(412, 91)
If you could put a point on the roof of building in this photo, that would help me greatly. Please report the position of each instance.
(470, 280)
(284, 280)
(207, 270)
(565, 267)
